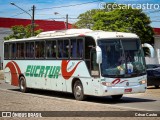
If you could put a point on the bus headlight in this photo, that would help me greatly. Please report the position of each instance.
(108, 84)
(143, 82)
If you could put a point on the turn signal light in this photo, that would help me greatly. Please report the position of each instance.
(143, 82)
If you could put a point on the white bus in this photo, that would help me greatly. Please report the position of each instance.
(78, 61)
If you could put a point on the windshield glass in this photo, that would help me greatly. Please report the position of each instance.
(122, 58)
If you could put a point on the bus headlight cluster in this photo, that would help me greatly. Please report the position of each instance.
(143, 82)
(108, 84)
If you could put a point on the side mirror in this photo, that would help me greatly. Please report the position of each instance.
(99, 55)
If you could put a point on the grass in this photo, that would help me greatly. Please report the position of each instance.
(1, 75)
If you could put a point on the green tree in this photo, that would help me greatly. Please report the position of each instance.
(20, 31)
(120, 20)
(86, 19)
(125, 20)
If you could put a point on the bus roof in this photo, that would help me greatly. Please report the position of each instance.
(97, 34)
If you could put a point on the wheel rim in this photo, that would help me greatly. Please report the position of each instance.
(78, 91)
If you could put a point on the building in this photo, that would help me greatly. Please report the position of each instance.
(45, 25)
(3, 33)
(157, 44)
(154, 57)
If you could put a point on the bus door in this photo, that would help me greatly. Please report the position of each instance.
(94, 71)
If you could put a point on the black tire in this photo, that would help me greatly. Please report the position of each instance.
(156, 86)
(78, 91)
(116, 97)
(22, 84)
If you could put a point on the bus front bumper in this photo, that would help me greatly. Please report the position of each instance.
(124, 90)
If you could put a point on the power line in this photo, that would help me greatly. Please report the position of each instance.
(156, 21)
(58, 18)
(156, 16)
(155, 11)
(58, 7)
(69, 5)
(45, 14)
(74, 18)
(17, 14)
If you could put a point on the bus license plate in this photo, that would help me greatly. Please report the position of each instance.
(128, 90)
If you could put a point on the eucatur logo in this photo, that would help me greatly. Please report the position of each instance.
(42, 71)
(118, 81)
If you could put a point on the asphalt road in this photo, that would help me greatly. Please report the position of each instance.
(11, 99)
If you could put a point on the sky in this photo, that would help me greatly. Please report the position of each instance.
(45, 9)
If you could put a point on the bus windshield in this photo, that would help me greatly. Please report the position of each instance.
(122, 58)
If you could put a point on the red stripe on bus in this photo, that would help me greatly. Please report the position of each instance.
(123, 81)
(18, 69)
(116, 81)
(14, 77)
(66, 75)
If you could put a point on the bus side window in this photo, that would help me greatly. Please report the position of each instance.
(12, 51)
(66, 48)
(51, 49)
(60, 48)
(32, 50)
(80, 48)
(89, 44)
(39, 49)
(29, 50)
(73, 48)
(77, 48)
(6, 52)
(20, 50)
(63, 48)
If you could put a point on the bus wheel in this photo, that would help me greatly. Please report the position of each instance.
(22, 84)
(116, 97)
(78, 91)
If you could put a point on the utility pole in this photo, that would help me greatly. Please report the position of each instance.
(33, 11)
(32, 16)
(66, 24)
(66, 21)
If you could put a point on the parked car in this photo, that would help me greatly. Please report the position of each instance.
(153, 75)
